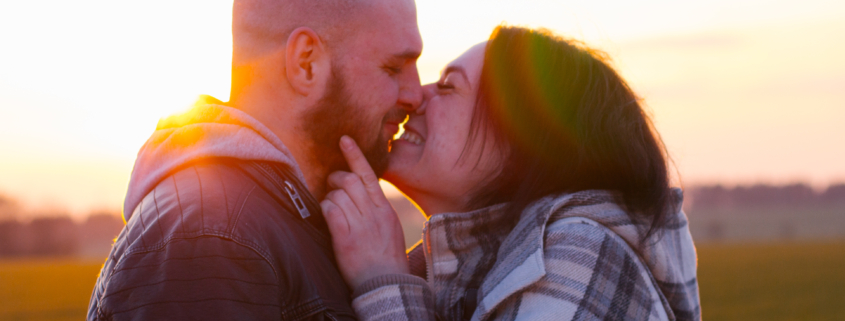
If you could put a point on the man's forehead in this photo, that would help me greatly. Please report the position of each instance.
(410, 43)
(392, 32)
(382, 30)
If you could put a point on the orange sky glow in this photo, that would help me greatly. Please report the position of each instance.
(741, 91)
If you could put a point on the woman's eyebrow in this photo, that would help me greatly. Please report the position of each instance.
(458, 69)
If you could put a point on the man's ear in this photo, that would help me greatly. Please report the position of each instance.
(306, 61)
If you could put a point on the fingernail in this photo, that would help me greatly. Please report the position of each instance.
(346, 142)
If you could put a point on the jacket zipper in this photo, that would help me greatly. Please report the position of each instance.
(297, 201)
(290, 190)
(295, 197)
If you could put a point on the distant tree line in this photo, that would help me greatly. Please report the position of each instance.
(59, 236)
(55, 234)
(718, 196)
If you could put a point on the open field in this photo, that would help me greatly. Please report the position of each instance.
(738, 282)
(46, 289)
(773, 281)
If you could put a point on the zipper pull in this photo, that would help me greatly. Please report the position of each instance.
(297, 201)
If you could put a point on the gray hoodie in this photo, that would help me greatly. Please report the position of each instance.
(209, 129)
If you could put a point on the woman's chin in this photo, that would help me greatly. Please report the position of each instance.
(403, 157)
(399, 169)
(393, 173)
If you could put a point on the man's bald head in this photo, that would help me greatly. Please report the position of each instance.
(262, 26)
(315, 70)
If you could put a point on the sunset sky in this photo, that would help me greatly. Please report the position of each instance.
(741, 91)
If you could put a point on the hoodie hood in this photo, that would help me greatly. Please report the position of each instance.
(208, 130)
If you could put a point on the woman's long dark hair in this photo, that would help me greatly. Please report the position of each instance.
(566, 122)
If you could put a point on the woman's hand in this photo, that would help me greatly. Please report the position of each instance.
(367, 237)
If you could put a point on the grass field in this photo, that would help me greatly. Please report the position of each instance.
(772, 282)
(46, 289)
(738, 282)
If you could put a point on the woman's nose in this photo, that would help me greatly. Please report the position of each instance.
(428, 93)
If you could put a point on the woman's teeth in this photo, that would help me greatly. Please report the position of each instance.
(411, 137)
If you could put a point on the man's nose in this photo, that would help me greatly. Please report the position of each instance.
(411, 92)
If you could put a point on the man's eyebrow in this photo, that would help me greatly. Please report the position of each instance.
(408, 55)
(457, 69)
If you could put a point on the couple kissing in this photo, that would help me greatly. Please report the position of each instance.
(545, 184)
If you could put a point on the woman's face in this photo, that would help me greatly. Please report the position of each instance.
(428, 163)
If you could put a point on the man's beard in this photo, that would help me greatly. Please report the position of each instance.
(336, 115)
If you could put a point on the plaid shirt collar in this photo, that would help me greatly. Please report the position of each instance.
(488, 250)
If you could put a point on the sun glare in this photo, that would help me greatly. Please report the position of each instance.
(85, 82)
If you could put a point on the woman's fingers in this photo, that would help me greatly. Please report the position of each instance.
(342, 200)
(366, 234)
(354, 187)
(336, 219)
(359, 165)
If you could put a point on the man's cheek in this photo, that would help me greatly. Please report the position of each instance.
(387, 93)
(370, 130)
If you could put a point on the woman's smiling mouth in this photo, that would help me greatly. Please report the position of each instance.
(412, 136)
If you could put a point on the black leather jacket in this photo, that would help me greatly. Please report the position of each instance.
(223, 239)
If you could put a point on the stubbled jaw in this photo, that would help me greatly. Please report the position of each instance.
(412, 137)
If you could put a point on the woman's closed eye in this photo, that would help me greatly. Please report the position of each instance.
(450, 81)
(444, 86)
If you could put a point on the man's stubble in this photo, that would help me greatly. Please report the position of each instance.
(336, 115)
